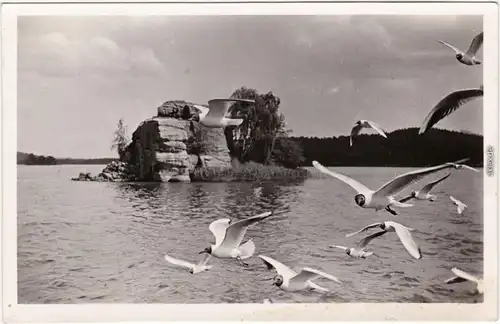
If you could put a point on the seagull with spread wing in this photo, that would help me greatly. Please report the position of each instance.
(403, 232)
(461, 276)
(228, 238)
(469, 57)
(423, 194)
(360, 124)
(354, 252)
(290, 281)
(383, 198)
(193, 268)
(460, 205)
(214, 115)
(449, 104)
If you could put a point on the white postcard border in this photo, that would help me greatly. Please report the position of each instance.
(14, 312)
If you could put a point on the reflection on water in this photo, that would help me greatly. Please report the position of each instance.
(104, 242)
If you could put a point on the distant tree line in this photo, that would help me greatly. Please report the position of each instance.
(402, 148)
(33, 159)
(264, 138)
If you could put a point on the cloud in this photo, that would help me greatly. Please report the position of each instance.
(55, 54)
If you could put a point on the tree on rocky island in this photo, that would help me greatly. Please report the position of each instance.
(120, 139)
(263, 124)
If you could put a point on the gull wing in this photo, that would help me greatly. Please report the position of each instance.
(365, 228)
(460, 208)
(236, 231)
(405, 237)
(218, 229)
(307, 274)
(205, 259)
(360, 188)
(454, 280)
(470, 168)
(377, 127)
(367, 239)
(203, 110)
(280, 268)
(340, 247)
(354, 132)
(428, 187)
(457, 51)
(400, 182)
(465, 275)
(405, 199)
(178, 262)
(447, 105)
(219, 107)
(475, 45)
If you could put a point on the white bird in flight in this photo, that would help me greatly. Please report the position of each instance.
(449, 104)
(360, 124)
(193, 268)
(403, 232)
(383, 198)
(464, 166)
(214, 116)
(469, 57)
(460, 205)
(290, 281)
(423, 194)
(353, 252)
(461, 276)
(228, 238)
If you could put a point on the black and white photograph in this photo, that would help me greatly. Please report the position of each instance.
(246, 158)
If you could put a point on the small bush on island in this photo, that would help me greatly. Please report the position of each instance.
(251, 172)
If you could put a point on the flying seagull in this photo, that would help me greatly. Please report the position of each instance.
(424, 194)
(403, 232)
(360, 124)
(193, 268)
(449, 104)
(353, 252)
(383, 198)
(469, 57)
(464, 166)
(214, 116)
(460, 205)
(461, 276)
(290, 281)
(228, 238)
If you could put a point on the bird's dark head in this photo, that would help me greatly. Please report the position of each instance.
(459, 56)
(191, 271)
(195, 118)
(413, 194)
(360, 199)
(206, 250)
(382, 225)
(278, 280)
(348, 251)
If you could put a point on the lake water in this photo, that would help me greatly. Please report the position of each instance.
(88, 242)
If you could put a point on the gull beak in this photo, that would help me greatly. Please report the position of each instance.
(202, 252)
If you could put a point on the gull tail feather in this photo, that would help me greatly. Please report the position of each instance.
(317, 287)
(396, 203)
(247, 249)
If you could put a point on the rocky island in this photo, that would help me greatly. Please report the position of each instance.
(168, 148)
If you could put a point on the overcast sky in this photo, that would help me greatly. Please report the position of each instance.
(77, 76)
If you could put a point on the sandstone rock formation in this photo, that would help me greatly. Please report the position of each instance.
(168, 147)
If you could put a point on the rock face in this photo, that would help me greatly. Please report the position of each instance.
(169, 147)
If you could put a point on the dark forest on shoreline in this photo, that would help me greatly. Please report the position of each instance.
(402, 148)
